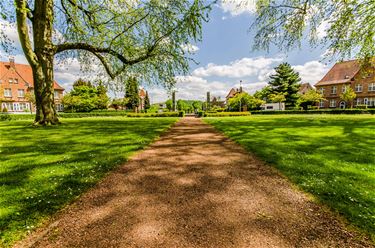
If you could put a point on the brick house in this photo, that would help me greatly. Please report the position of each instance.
(232, 93)
(142, 95)
(347, 74)
(304, 87)
(16, 80)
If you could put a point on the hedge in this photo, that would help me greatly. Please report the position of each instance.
(317, 111)
(164, 114)
(224, 114)
(9, 117)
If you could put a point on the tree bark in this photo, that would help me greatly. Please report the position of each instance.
(43, 70)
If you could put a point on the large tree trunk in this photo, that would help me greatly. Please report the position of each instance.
(43, 69)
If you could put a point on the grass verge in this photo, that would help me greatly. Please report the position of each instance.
(331, 157)
(44, 168)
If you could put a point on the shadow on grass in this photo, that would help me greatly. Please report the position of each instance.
(330, 157)
(44, 168)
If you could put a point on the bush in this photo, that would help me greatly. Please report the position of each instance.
(318, 111)
(5, 117)
(224, 114)
(181, 113)
(200, 113)
(164, 114)
(5, 110)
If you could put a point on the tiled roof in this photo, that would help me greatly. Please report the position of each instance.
(340, 73)
(142, 93)
(304, 87)
(25, 72)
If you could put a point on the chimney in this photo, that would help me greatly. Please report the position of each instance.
(11, 62)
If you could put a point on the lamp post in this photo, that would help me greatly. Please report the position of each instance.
(240, 97)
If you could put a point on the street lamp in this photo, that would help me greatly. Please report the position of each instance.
(240, 96)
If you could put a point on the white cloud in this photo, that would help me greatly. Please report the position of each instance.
(245, 67)
(237, 7)
(312, 71)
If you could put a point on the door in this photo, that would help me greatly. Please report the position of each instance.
(342, 105)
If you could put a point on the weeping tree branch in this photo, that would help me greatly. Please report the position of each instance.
(22, 11)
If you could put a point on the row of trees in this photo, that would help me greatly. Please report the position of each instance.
(85, 97)
(188, 106)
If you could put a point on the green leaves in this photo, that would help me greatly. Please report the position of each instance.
(346, 27)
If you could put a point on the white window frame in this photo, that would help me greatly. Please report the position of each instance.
(56, 94)
(23, 93)
(7, 92)
(321, 104)
(371, 87)
(16, 106)
(332, 103)
(358, 88)
(322, 90)
(365, 101)
(343, 89)
(334, 90)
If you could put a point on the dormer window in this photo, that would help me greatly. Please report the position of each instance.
(346, 77)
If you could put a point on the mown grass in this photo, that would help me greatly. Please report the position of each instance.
(332, 157)
(44, 168)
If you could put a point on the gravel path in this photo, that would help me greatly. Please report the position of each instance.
(194, 188)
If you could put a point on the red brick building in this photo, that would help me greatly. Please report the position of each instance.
(142, 96)
(304, 88)
(343, 75)
(16, 80)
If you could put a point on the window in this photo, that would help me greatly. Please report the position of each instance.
(56, 94)
(10, 80)
(371, 87)
(23, 106)
(322, 90)
(371, 101)
(357, 101)
(15, 81)
(8, 106)
(321, 104)
(21, 93)
(333, 90)
(365, 101)
(332, 103)
(8, 92)
(343, 89)
(358, 88)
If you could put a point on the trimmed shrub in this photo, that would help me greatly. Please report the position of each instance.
(164, 114)
(181, 113)
(224, 114)
(5, 117)
(318, 111)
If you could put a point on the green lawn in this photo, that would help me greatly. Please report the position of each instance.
(44, 168)
(332, 157)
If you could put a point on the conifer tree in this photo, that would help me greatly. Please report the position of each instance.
(287, 82)
(132, 94)
(147, 101)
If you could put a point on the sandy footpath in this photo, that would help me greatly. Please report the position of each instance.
(194, 188)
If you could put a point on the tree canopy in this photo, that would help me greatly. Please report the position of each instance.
(346, 27)
(85, 97)
(285, 81)
(132, 93)
(145, 38)
(244, 100)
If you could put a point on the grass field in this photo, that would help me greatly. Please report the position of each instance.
(332, 157)
(44, 168)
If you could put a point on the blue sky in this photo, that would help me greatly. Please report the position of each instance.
(225, 57)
